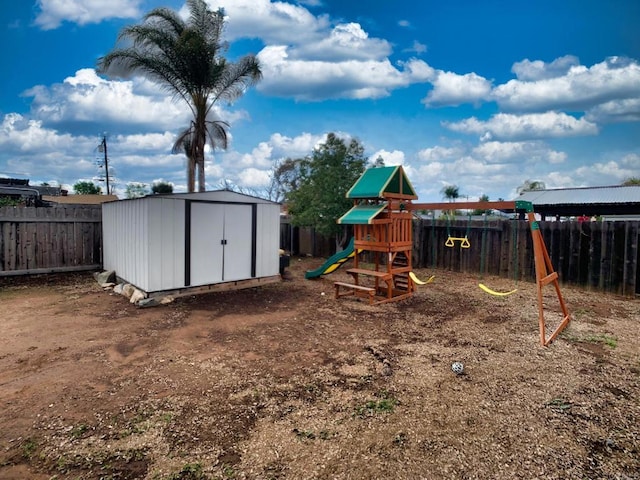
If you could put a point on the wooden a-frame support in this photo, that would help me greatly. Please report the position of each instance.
(545, 274)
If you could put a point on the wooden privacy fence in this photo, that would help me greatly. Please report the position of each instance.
(50, 239)
(598, 255)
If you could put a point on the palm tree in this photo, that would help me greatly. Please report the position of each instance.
(450, 192)
(186, 58)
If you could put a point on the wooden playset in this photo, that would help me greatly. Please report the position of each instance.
(381, 217)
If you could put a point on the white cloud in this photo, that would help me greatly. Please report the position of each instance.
(617, 78)
(150, 142)
(503, 126)
(307, 58)
(52, 13)
(631, 161)
(21, 135)
(417, 48)
(605, 173)
(95, 102)
(452, 89)
(295, 147)
(272, 22)
(391, 159)
(254, 178)
(346, 41)
(627, 110)
(437, 153)
(319, 80)
(509, 152)
(528, 70)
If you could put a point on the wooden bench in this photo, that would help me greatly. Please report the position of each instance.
(354, 289)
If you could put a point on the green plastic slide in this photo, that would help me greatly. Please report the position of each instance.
(333, 262)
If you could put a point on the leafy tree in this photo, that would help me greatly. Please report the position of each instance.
(325, 177)
(479, 211)
(450, 192)
(529, 185)
(86, 188)
(136, 190)
(379, 162)
(186, 58)
(631, 181)
(285, 178)
(161, 188)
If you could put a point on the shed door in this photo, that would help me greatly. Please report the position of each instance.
(237, 242)
(207, 224)
(221, 243)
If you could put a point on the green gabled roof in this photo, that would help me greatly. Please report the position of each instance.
(376, 182)
(361, 214)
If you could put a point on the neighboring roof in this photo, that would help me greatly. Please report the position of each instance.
(361, 214)
(19, 191)
(382, 182)
(611, 200)
(80, 199)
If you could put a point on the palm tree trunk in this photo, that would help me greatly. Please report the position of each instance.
(191, 174)
(201, 182)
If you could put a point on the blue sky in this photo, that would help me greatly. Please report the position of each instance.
(482, 95)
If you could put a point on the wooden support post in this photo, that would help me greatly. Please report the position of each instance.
(545, 275)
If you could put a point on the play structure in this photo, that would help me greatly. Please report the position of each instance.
(381, 217)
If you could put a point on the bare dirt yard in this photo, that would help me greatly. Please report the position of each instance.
(286, 382)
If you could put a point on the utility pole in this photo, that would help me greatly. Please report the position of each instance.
(103, 148)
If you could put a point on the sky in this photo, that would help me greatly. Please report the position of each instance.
(484, 95)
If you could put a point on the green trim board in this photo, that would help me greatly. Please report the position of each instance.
(361, 214)
(376, 182)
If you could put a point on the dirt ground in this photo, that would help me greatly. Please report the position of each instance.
(286, 382)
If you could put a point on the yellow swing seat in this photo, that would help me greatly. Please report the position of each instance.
(493, 292)
(417, 281)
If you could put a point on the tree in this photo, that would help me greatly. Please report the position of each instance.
(479, 211)
(86, 188)
(529, 185)
(379, 162)
(325, 178)
(631, 181)
(186, 58)
(161, 188)
(450, 192)
(285, 178)
(136, 190)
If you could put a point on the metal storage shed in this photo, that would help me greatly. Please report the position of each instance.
(162, 243)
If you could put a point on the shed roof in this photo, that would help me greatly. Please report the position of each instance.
(382, 182)
(223, 196)
(617, 199)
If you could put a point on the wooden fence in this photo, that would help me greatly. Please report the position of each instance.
(50, 239)
(597, 255)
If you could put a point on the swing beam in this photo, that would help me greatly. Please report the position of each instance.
(545, 274)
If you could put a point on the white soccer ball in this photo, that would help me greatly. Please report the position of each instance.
(457, 368)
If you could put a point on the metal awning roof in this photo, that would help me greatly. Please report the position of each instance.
(361, 214)
(613, 200)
